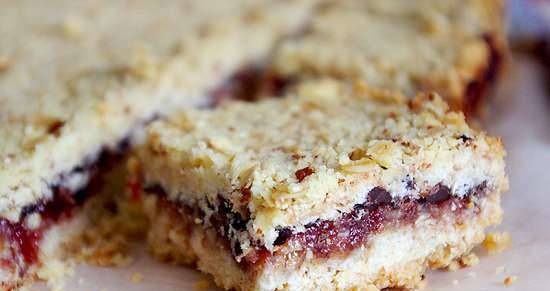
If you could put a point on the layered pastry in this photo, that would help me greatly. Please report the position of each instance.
(453, 47)
(335, 187)
(78, 81)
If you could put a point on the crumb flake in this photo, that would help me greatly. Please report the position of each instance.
(469, 260)
(496, 242)
(509, 280)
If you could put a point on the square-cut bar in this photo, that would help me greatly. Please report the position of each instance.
(79, 79)
(454, 47)
(335, 187)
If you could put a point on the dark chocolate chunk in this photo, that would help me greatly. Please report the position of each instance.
(379, 196)
(237, 222)
(465, 139)
(439, 193)
(284, 235)
(237, 250)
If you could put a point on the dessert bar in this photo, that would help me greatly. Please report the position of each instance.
(333, 187)
(453, 47)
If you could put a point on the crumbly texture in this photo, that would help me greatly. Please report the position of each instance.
(289, 162)
(114, 219)
(84, 75)
(98, 233)
(54, 265)
(496, 242)
(393, 258)
(446, 46)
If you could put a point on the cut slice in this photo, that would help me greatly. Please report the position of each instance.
(335, 188)
(453, 47)
(78, 80)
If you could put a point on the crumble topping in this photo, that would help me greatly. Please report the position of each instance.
(339, 143)
(447, 47)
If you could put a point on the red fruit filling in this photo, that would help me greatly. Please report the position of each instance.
(338, 237)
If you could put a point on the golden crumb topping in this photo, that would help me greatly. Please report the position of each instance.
(399, 44)
(318, 152)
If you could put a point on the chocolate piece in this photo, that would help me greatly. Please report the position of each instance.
(284, 235)
(379, 196)
(465, 139)
(439, 193)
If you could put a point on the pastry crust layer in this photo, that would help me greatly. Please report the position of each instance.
(393, 258)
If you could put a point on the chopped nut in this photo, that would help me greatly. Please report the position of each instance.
(361, 166)
(357, 154)
(509, 280)
(386, 96)
(301, 174)
(496, 242)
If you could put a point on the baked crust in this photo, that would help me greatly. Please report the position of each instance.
(393, 258)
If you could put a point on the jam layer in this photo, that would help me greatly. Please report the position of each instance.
(20, 241)
(331, 238)
(250, 83)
